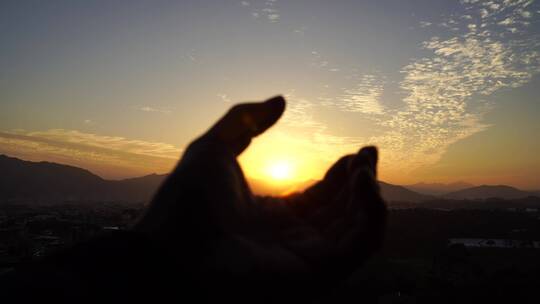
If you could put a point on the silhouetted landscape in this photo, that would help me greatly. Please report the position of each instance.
(46, 182)
(454, 245)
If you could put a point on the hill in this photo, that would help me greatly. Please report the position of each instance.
(23, 179)
(394, 193)
(487, 191)
(438, 188)
(51, 182)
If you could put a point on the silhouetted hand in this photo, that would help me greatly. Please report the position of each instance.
(206, 216)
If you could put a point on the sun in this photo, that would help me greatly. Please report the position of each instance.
(280, 170)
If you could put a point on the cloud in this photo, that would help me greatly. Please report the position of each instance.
(301, 30)
(317, 60)
(273, 17)
(268, 9)
(364, 98)
(110, 156)
(445, 93)
(224, 97)
(155, 110)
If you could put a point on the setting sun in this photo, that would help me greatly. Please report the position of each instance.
(281, 170)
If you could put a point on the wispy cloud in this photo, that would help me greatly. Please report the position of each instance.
(224, 97)
(444, 92)
(317, 60)
(301, 30)
(265, 9)
(364, 98)
(111, 156)
(425, 24)
(154, 109)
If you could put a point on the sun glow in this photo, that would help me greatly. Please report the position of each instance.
(280, 170)
(281, 162)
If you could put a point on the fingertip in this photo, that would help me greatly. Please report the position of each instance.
(269, 113)
(276, 104)
(278, 100)
(366, 158)
(371, 152)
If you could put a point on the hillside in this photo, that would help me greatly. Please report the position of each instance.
(438, 188)
(486, 191)
(401, 194)
(48, 182)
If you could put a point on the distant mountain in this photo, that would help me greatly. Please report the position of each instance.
(486, 192)
(394, 193)
(23, 179)
(438, 188)
(139, 189)
(50, 182)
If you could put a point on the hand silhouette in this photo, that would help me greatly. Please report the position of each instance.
(206, 216)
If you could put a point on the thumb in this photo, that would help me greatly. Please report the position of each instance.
(245, 121)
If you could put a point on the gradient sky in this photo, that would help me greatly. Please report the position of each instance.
(448, 90)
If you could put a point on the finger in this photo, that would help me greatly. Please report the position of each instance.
(366, 157)
(339, 174)
(323, 192)
(327, 199)
(366, 234)
(245, 121)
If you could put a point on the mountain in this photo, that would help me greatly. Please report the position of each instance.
(394, 193)
(24, 179)
(139, 189)
(438, 188)
(50, 182)
(486, 192)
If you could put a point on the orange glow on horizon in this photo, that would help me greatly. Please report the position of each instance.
(281, 170)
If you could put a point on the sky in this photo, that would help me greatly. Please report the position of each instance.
(448, 90)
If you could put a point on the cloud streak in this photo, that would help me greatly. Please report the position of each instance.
(109, 156)
(267, 10)
(154, 110)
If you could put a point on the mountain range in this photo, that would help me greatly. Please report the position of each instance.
(46, 182)
(49, 182)
(486, 192)
(438, 188)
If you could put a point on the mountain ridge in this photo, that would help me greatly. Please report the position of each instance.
(48, 181)
(489, 191)
(438, 188)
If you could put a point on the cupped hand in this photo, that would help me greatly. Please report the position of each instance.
(206, 216)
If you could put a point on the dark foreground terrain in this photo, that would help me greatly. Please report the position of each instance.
(430, 255)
